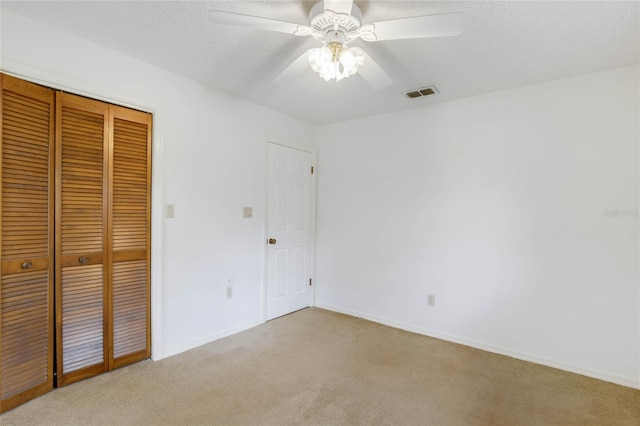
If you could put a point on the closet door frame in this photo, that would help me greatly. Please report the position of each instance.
(82, 87)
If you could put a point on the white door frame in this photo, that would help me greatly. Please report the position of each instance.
(265, 227)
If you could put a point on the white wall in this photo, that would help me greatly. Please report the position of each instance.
(209, 160)
(496, 204)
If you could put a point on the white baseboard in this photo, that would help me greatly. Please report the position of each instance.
(208, 339)
(607, 377)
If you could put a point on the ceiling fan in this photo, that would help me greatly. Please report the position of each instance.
(336, 23)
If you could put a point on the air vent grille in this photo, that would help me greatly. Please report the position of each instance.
(425, 91)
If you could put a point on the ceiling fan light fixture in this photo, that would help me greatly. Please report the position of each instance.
(335, 23)
(335, 61)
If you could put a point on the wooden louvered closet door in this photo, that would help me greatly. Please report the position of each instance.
(103, 201)
(80, 170)
(82, 155)
(26, 241)
(130, 243)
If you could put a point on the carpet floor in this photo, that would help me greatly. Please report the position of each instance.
(316, 367)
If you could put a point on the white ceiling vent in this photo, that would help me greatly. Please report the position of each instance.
(425, 91)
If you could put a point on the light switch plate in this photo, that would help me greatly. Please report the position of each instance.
(170, 211)
(247, 212)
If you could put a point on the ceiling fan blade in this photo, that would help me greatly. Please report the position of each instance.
(342, 7)
(294, 70)
(229, 18)
(448, 24)
(373, 74)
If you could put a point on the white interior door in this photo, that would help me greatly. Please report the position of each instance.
(288, 230)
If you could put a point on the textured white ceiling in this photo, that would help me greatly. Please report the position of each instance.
(505, 44)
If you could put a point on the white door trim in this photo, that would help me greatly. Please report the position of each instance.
(265, 229)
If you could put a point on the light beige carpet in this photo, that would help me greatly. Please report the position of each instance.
(321, 368)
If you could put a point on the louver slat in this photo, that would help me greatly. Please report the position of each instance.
(26, 287)
(131, 229)
(81, 224)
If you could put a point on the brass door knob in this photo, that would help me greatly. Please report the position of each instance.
(83, 260)
(272, 240)
(27, 265)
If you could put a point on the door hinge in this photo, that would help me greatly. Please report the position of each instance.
(311, 169)
(309, 282)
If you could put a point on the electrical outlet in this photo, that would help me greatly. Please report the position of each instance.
(431, 300)
(229, 281)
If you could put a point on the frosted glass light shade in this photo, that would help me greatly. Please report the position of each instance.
(335, 61)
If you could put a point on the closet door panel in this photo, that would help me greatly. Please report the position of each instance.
(82, 319)
(26, 243)
(130, 216)
(81, 243)
(129, 308)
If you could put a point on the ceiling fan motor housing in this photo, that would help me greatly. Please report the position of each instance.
(329, 26)
(334, 36)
